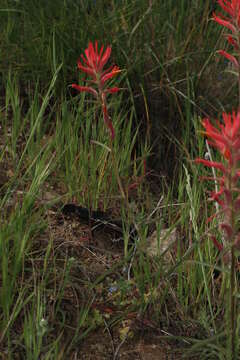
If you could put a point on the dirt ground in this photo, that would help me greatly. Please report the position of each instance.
(100, 346)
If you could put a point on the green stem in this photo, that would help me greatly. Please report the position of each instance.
(106, 118)
(117, 172)
(232, 299)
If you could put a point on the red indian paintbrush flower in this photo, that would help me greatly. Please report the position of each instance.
(232, 23)
(92, 63)
(232, 8)
(225, 137)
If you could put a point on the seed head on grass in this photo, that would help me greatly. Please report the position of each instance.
(92, 63)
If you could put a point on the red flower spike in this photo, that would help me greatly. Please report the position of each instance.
(95, 61)
(232, 8)
(231, 22)
(226, 138)
(92, 63)
(228, 6)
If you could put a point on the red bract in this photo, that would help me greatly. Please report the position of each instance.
(224, 22)
(232, 8)
(232, 42)
(92, 63)
(229, 57)
(225, 137)
(95, 60)
(85, 88)
(213, 164)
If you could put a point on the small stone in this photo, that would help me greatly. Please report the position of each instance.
(161, 241)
